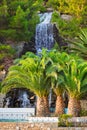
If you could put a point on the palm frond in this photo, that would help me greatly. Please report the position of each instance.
(80, 46)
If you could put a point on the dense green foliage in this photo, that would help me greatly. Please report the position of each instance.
(18, 19)
(68, 28)
(80, 44)
(83, 112)
(75, 78)
(30, 72)
(74, 7)
(5, 51)
(64, 121)
(78, 12)
(70, 71)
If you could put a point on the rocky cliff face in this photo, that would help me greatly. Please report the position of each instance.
(58, 38)
(28, 46)
(8, 61)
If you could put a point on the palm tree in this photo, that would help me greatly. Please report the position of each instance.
(71, 72)
(75, 82)
(59, 60)
(59, 91)
(31, 73)
(56, 85)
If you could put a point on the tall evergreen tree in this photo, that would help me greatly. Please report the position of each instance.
(18, 19)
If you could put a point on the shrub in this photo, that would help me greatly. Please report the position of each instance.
(63, 120)
(83, 112)
(68, 29)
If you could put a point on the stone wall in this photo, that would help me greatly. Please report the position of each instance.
(36, 126)
(78, 121)
(84, 104)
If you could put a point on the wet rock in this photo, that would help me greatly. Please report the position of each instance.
(28, 46)
(59, 39)
(19, 98)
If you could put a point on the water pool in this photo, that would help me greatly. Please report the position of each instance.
(13, 120)
(33, 120)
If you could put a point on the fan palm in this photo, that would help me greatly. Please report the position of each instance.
(75, 82)
(31, 73)
(59, 90)
(71, 77)
(55, 71)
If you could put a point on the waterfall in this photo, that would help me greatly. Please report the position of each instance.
(24, 99)
(7, 104)
(44, 37)
(18, 98)
(44, 32)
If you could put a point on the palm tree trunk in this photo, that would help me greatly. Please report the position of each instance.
(42, 108)
(74, 107)
(59, 105)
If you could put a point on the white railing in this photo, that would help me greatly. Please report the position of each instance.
(42, 119)
(16, 113)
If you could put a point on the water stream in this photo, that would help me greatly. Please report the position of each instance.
(44, 32)
(24, 99)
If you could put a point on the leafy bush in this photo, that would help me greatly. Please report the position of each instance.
(73, 7)
(63, 120)
(53, 3)
(6, 49)
(68, 29)
(83, 112)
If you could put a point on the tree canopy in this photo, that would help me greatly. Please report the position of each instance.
(18, 19)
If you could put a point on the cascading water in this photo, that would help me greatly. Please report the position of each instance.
(24, 99)
(44, 32)
(19, 98)
(7, 104)
(44, 37)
